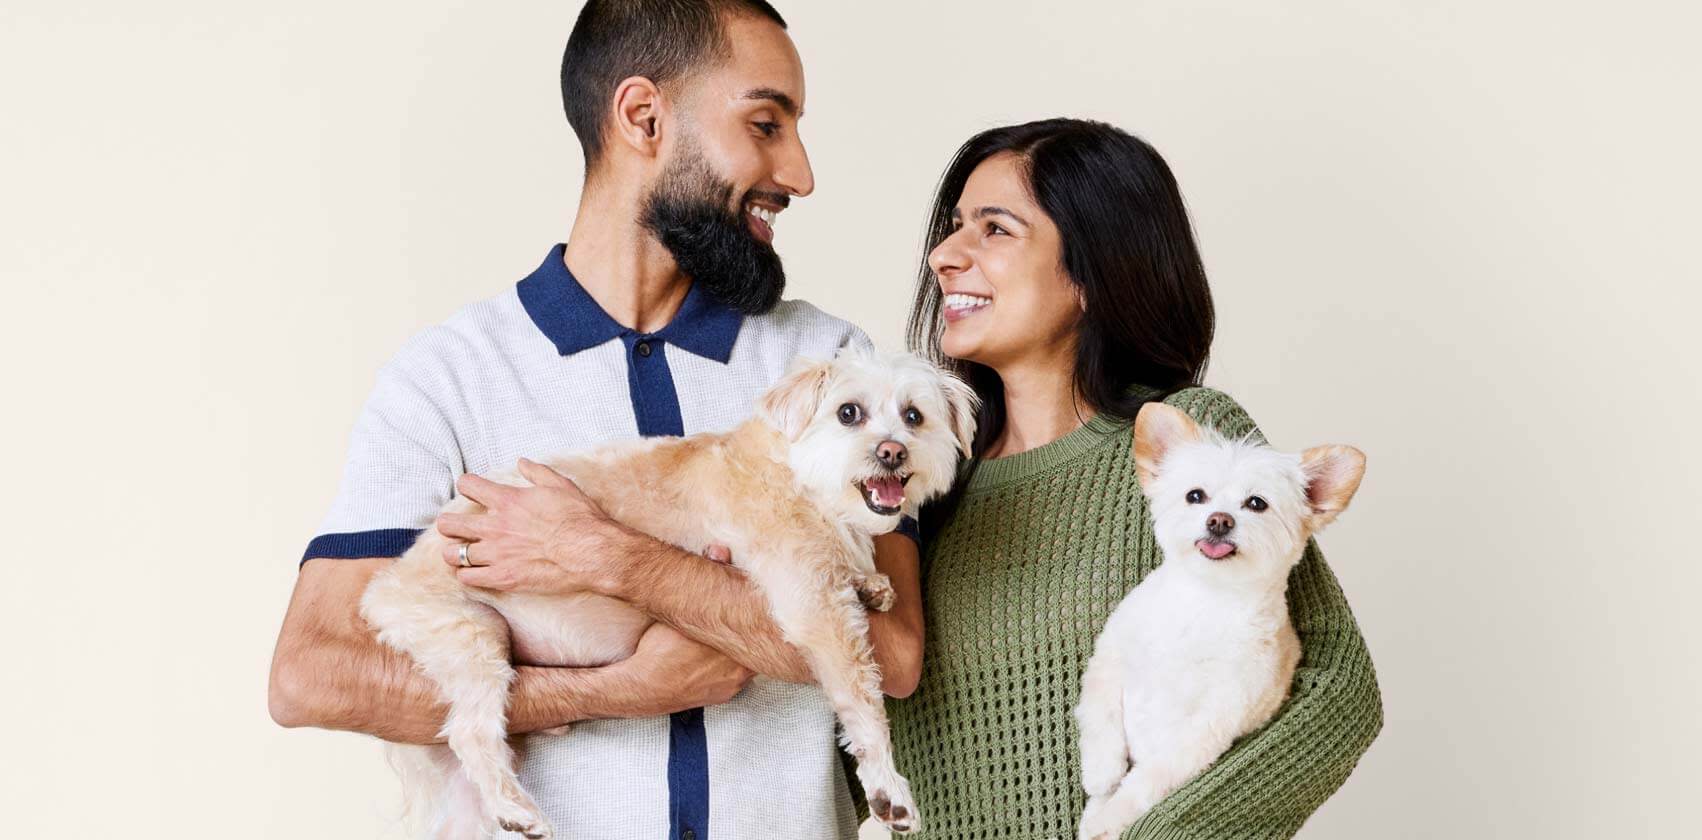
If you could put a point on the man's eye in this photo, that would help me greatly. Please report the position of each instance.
(768, 129)
(1196, 496)
(850, 413)
(912, 417)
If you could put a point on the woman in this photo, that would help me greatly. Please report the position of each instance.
(1062, 280)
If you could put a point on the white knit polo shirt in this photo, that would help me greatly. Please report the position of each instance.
(540, 370)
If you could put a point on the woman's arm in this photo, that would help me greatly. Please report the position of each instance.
(1271, 781)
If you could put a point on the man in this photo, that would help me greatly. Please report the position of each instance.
(660, 315)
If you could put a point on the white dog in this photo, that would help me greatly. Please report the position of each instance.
(836, 453)
(1202, 651)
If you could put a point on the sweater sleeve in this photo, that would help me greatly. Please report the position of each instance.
(1270, 781)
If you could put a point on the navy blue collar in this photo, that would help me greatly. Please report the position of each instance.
(573, 321)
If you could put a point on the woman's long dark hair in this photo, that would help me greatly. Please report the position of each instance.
(1127, 246)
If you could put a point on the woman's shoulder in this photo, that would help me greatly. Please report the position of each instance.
(1216, 409)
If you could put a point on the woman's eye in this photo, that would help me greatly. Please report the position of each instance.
(1196, 496)
(1254, 504)
(850, 413)
(995, 230)
(912, 417)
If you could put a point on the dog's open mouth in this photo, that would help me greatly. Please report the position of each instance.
(884, 494)
(1215, 548)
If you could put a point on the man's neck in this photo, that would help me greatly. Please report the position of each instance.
(626, 271)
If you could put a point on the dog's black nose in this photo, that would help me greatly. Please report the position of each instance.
(1219, 524)
(891, 453)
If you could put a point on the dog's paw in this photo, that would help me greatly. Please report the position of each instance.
(895, 810)
(875, 591)
(1101, 773)
(1101, 820)
(524, 820)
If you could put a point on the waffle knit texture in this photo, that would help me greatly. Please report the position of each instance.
(1042, 547)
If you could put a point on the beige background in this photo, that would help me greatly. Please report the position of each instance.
(1457, 234)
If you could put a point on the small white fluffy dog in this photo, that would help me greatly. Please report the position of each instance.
(1202, 651)
(836, 453)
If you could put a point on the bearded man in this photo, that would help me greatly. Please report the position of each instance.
(660, 315)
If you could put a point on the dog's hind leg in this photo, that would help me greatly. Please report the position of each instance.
(832, 631)
(463, 647)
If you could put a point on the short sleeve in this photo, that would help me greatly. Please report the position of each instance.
(402, 463)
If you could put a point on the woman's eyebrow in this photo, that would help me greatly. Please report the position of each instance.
(991, 210)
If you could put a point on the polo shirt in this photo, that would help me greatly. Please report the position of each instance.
(539, 370)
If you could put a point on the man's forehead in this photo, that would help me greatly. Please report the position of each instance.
(763, 66)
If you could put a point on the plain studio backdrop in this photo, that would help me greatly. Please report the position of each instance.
(1459, 235)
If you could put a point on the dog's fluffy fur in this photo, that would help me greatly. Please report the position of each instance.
(1202, 651)
(788, 492)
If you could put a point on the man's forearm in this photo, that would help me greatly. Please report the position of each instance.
(710, 602)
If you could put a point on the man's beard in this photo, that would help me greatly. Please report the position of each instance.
(689, 214)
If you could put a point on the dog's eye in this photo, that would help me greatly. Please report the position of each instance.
(912, 417)
(850, 413)
(1196, 495)
(1254, 504)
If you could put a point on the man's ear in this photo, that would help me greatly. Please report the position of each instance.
(963, 403)
(790, 404)
(638, 111)
(1160, 428)
(1332, 477)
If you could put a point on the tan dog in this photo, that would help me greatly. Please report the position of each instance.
(836, 453)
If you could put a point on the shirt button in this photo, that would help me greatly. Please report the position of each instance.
(688, 834)
(643, 349)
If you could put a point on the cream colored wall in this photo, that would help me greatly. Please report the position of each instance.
(1457, 234)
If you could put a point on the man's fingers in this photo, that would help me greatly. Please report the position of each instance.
(483, 490)
(452, 554)
(542, 476)
(720, 554)
(479, 576)
(461, 526)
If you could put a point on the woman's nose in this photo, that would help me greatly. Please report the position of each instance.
(947, 259)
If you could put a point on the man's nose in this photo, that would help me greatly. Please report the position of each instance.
(1219, 524)
(793, 170)
(891, 454)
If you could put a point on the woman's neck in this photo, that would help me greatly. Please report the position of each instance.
(1040, 407)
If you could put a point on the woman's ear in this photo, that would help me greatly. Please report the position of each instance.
(790, 404)
(1160, 428)
(638, 110)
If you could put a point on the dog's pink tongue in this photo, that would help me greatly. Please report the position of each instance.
(1215, 550)
(888, 492)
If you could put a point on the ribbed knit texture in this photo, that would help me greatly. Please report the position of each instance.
(1042, 548)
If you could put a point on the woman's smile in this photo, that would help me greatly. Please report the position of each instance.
(959, 305)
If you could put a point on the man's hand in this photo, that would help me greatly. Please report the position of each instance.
(548, 538)
(671, 673)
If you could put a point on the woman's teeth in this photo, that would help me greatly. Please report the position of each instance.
(966, 302)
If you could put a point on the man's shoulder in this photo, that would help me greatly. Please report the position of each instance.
(475, 334)
(805, 327)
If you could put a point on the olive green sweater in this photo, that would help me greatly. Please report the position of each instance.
(1042, 547)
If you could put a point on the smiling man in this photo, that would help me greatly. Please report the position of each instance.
(661, 314)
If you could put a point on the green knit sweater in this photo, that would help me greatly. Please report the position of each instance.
(1017, 586)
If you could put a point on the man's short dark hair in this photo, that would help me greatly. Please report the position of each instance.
(660, 40)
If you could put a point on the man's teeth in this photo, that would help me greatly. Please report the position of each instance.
(966, 301)
(762, 213)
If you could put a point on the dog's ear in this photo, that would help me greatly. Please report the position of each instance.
(963, 403)
(1332, 477)
(790, 404)
(1158, 429)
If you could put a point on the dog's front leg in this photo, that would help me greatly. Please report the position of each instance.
(1104, 747)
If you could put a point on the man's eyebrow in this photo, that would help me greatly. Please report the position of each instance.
(780, 98)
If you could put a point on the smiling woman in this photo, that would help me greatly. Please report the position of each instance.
(1063, 282)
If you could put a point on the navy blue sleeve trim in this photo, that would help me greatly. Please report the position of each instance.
(910, 528)
(386, 542)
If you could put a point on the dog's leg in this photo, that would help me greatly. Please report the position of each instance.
(831, 629)
(462, 646)
(1184, 750)
(875, 591)
(1104, 748)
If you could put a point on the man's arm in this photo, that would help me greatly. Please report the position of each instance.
(551, 537)
(330, 671)
(719, 606)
